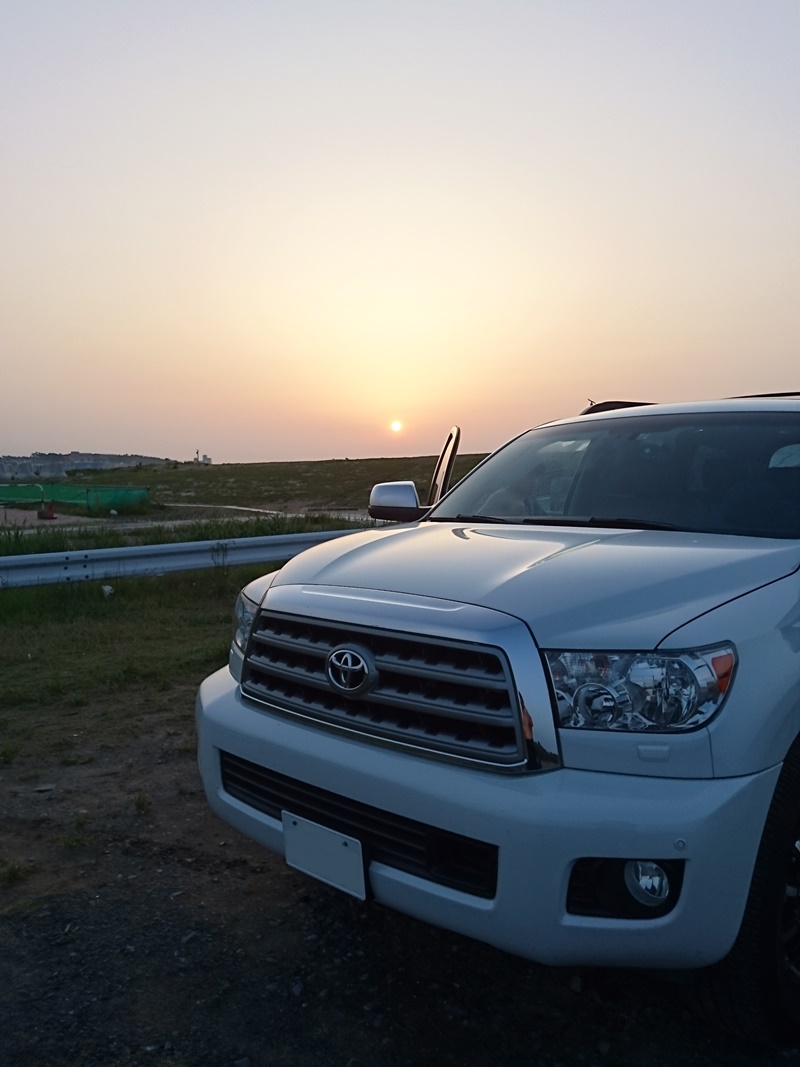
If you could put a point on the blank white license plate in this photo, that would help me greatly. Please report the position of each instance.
(325, 854)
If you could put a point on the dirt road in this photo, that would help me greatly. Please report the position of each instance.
(29, 518)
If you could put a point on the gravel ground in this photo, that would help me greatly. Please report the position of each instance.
(149, 933)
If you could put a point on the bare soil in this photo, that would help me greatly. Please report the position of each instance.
(29, 517)
(138, 929)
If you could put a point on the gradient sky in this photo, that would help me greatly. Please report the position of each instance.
(266, 229)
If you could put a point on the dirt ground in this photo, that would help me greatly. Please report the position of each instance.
(138, 929)
(29, 517)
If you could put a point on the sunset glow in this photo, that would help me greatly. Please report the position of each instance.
(267, 240)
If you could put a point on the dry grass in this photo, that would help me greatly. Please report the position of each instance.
(335, 484)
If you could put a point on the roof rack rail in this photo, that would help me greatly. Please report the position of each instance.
(756, 396)
(611, 405)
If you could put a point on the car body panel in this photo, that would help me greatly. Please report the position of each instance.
(604, 589)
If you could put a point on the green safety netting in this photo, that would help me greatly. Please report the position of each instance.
(91, 497)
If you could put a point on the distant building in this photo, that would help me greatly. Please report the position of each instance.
(56, 465)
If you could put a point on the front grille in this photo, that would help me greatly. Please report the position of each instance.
(439, 696)
(437, 855)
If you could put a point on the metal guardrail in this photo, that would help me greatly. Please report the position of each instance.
(47, 568)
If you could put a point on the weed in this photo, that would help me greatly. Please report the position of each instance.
(78, 834)
(219, 558)
(75, 838)
(12, 874)
(16, 541)
(9, 752)
(142, 803)
(78, 760)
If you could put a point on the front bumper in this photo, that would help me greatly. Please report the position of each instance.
(541, 825)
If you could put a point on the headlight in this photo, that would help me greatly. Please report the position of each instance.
(640, 690)
(246, 608)
(244, 613)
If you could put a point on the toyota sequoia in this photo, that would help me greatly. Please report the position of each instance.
(555, 707)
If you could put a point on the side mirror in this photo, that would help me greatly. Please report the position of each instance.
(396, 501)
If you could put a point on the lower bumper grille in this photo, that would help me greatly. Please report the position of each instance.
(437, 855)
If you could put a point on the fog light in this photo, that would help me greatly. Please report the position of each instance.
(646, 882)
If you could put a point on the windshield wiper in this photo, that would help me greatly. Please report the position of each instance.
(553, 520)
(469, 518)
(594, 521)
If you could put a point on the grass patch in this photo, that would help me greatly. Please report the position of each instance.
(12, 873)
(8, 753)
(80, 671)
(75, 837)
(15, 542)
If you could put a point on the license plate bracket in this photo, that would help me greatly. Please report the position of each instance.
(325, 854)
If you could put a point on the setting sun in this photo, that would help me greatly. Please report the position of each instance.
(396, 426)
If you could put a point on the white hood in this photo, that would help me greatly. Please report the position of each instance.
(573, 587)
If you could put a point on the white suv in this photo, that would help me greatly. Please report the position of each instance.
(557, 709)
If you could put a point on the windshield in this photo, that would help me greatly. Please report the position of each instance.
(735, 473)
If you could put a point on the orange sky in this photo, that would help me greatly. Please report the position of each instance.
(267, 231)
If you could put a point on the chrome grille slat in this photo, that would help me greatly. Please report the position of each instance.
(293, 645)
(393, 698)
(441, 696)
(472, 677)
(315, 678)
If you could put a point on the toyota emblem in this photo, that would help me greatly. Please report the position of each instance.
(350, 671)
